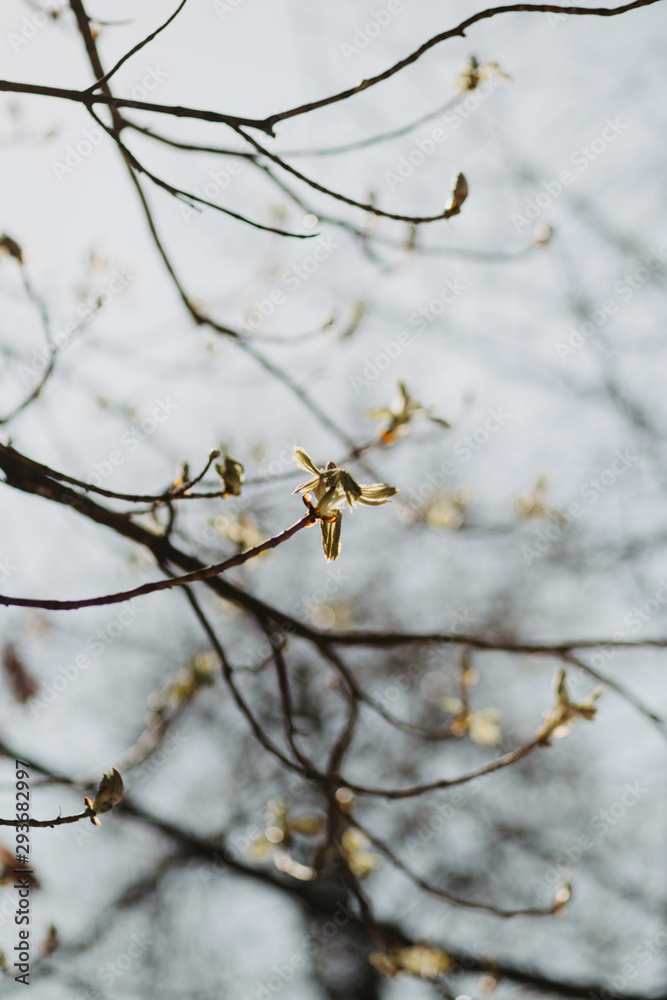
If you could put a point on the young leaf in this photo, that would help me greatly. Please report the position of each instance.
(374, 494)
(304, 461)
(307, 487)
(331, 537)
(109, 793)
(332, 501)
(458, 195)
(350, 487)
(233, 475)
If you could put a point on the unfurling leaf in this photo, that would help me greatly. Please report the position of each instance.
(400, 414)
(475, 73)
(469, 78)
(350, 487)
(534, 504)
(331, 501)
(304, 461)
(182, 475)
(332, 489)
(109, 793)
(331, 536)
(374, 494)
(458, 195)
(312, 484)
(565, 711)
(231, 474)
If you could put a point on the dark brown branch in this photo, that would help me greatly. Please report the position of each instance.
(267, 124)
(137, 48)
(620, 690)
(90, 100)
(179, 581)
(186, 196)
(199, 317)
(88, 813)
(432, 786)
(181, 492)
(414, 220)
(385, 640)
(450, 897)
